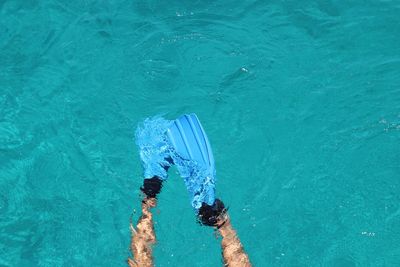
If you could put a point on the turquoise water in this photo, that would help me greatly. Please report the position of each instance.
(300, 100)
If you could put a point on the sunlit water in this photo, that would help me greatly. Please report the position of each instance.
(300, 101)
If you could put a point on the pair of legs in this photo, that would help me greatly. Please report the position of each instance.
(143, 237)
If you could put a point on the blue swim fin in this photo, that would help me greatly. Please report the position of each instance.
(154, 149)
(194, 158)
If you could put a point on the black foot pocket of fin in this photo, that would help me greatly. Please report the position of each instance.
(151, 187)
(210, 215)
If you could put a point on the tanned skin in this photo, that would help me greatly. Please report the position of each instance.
(143, 238)
(232, 250)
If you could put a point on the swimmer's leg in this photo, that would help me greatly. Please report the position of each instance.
(143, 237)
(232, 249)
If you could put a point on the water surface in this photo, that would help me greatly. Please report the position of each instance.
(300, 101)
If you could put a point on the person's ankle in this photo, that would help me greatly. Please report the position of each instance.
(223, 221)
(149, 202)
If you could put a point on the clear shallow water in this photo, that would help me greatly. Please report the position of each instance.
(300, 101)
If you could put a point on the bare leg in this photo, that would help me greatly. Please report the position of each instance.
(232, 250)
(144, 237)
